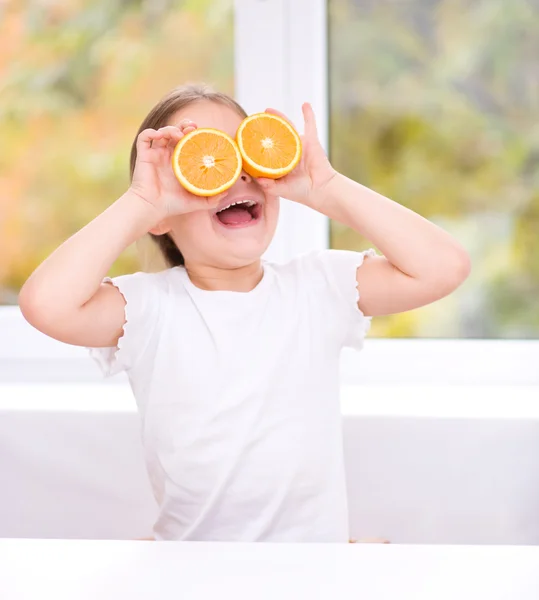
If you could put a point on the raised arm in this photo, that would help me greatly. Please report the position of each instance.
(421, 262)
(65, 297)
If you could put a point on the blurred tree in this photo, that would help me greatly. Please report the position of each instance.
(434, 103)
(77, 77)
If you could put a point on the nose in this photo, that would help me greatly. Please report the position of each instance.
(245, 177)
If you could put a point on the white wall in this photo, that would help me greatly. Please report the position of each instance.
(423, 466)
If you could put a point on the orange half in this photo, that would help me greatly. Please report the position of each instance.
(207, 162)
(269, 145)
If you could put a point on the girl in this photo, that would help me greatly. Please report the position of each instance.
(234, 361)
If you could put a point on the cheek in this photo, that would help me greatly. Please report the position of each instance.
(189, 228)
(272, 210)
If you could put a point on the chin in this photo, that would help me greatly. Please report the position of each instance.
(244, 242)
(242, 254)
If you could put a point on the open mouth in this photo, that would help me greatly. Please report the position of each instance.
(240, 213)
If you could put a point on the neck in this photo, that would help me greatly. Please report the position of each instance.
(242, 279)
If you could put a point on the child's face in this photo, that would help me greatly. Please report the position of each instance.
(201, 236)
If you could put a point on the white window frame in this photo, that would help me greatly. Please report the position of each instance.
(281, 61)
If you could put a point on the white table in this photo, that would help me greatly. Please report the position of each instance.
(113, 570)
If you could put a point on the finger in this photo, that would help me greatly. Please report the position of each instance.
(270, 186)
(145, 139)
(208, 202)
(274, 111)
(222, 196)
(311, 132)
(167, 140)
(169, 131)
(165, 136)
(148, 135)
(159, 143)
(213, 201)
(185, 124)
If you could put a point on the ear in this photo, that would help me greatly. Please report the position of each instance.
(161, 228)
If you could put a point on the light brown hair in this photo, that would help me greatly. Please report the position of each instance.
(159, 116)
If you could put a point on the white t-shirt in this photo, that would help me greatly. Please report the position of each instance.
(239, 398)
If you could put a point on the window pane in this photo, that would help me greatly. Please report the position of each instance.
(76, 78)
(435, 104)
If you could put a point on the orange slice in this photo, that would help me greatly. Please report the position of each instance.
(269, 145)
(207, 162)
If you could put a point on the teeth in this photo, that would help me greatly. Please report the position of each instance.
(248, 202)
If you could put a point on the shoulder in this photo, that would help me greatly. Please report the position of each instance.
(146, 304)
(141, 283)
(326, 283)
(329, 266)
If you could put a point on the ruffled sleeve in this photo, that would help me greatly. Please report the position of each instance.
(143, 297)
(339, 295)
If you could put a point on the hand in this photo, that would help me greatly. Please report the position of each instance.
(306, 182)
(153, 178)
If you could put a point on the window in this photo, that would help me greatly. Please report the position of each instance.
(77, 78)
(434, 103)
(400, 77)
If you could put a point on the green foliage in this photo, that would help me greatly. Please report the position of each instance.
(434, 103)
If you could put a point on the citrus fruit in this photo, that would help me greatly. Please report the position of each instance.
(207, 162)
(269, 145)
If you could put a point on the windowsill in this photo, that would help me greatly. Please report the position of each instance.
(411, 401)
(27, 356)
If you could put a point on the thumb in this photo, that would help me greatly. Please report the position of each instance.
(213, 201)
(270, 186)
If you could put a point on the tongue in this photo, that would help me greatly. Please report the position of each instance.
(235, 216)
